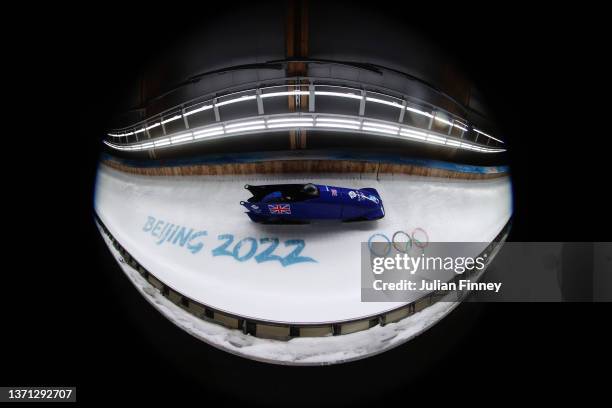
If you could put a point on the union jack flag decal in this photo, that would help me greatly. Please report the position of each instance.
(279, 208)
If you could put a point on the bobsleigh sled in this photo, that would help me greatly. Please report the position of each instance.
(301, 203)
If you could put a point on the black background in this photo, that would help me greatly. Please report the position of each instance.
(71, 318)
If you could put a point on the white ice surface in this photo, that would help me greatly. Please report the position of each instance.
(325, 291)
(298, 351)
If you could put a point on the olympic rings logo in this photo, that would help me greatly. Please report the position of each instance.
(418, 238)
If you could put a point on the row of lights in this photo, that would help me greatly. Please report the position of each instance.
(306, 121)
(348, 95)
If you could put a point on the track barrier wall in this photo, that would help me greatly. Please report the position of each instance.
(283, 164)
(284, 331)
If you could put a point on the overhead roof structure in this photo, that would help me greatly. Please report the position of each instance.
(298, 69)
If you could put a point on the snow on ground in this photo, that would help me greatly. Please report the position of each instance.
(234, 265)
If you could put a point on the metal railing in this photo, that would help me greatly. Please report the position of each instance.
(316, 102)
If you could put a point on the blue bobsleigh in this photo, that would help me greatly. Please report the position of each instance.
(300, 203)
